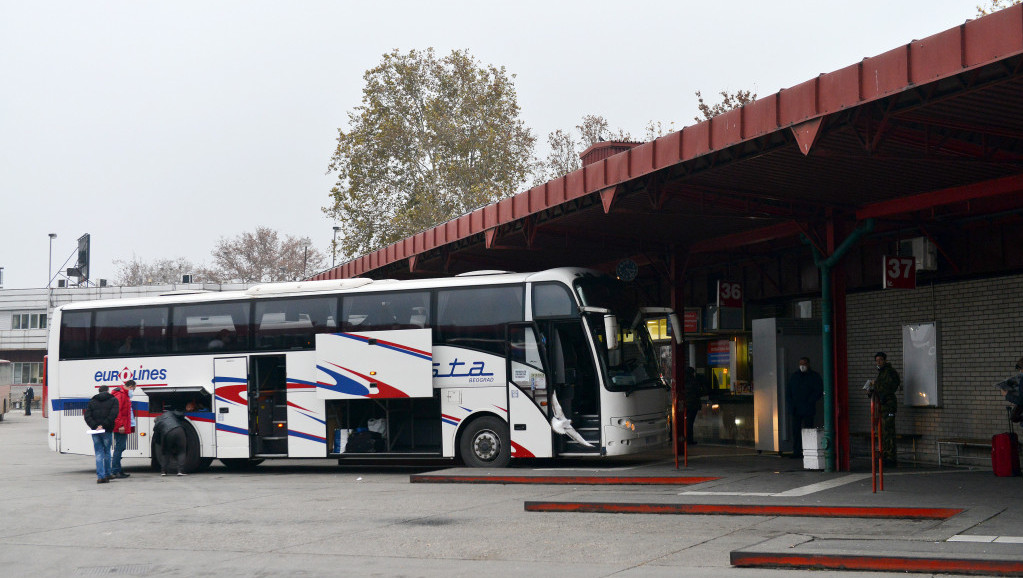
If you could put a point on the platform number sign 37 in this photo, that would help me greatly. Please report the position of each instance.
(899, 272)
(729, 294)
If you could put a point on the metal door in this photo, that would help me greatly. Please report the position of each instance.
(231, 406)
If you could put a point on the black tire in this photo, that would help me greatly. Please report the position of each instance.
(485, 443)
(193, 457)
(240, 464)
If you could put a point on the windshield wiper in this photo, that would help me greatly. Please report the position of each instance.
(630, 390)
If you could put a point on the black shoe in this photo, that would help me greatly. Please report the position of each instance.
(102, 481)
(122, 475)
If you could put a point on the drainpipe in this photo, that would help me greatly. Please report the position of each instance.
(828, 340)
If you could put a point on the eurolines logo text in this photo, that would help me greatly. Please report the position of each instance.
(140, 374)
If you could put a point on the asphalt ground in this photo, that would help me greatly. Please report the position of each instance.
(756, 515)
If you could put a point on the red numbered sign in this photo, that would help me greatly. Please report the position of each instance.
(729, 294)
(899, 272)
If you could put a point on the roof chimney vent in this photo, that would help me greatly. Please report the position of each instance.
(601, 150)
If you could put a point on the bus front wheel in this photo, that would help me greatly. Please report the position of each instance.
(485, 443)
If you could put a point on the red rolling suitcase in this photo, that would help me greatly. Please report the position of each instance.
(1005, 454)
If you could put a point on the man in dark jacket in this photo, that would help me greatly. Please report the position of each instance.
(885, 387)
(803, 390)
(30, 396)
(100, 414)
(695, 389)
(169, 434)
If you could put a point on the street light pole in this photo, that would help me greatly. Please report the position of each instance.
(49, 267)
(333, 248)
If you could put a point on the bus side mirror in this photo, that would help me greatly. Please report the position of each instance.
(676, 328)
(611, 331)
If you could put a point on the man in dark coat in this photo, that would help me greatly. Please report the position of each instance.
(695, 389)
(30, 396)
(803, 390)
(885, 386)
(100, 415)
(169, 434)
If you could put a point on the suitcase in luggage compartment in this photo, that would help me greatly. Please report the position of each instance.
(1005, 454)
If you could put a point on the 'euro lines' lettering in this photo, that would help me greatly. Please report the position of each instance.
(140, 374)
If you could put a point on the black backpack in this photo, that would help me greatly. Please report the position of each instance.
(364, 442)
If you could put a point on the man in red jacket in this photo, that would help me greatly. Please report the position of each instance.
(124, 425)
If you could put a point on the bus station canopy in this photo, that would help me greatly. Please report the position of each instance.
(928, 134)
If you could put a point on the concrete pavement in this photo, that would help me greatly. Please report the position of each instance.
(313, 518)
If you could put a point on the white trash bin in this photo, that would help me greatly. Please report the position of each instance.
(813, 449)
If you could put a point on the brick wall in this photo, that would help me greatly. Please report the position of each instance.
(981, 322)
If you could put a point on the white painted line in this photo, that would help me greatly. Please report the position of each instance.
(727, 494)
(795, 492)
(1009, 540)
(971, 538)
(821, 486)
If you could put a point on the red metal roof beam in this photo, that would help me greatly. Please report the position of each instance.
(737, 240)
(930, 200)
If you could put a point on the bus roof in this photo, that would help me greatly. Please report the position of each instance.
(353, 285)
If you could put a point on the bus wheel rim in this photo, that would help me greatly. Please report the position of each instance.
(486, 445)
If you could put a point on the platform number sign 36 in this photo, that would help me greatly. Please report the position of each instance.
(899, 272)
(729, 294)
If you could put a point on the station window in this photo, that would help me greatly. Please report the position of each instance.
(27, 372)
(28, 321)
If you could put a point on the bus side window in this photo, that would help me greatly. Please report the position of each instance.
(211, 327)
(386, 311)
(553, 300)
(131, 332)
(293, 323)
(476, 317)
(74, 334)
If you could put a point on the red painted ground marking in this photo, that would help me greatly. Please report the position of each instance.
(734, 510)
(562, 480)
(882, 563)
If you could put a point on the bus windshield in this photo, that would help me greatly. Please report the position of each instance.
(633, 365)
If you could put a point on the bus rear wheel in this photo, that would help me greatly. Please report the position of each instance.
(485, 443)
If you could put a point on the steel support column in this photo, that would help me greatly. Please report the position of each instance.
(677, 262)
(827, 327)
(839, 229)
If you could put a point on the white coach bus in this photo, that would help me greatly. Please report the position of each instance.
(485, 367)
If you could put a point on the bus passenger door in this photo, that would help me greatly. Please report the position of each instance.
(268, 405)
(574, 388)
(528, 415)
(231, 406)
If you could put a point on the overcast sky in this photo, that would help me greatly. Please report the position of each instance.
(160, 128)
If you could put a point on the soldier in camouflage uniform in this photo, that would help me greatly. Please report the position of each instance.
(885, 386)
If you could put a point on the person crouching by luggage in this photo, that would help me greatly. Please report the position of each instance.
(100, 414)
(169, 434)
